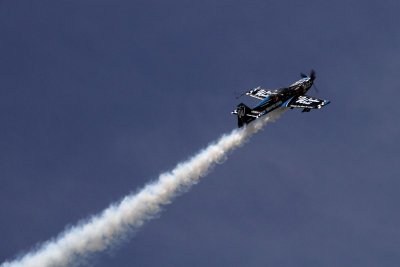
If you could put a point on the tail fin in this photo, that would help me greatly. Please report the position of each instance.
(243, 114)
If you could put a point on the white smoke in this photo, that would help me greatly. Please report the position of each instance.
(109, 227)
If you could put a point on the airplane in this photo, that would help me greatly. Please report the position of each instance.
(292, 96)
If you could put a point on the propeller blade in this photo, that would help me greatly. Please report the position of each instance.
(312, 75)
(316, 89)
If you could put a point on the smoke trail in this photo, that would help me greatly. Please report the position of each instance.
(109, 227)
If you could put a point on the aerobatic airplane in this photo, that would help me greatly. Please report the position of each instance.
(291, 97)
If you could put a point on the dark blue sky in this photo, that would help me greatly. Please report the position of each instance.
(99, 97)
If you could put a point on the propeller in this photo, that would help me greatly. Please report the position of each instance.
(312, 77)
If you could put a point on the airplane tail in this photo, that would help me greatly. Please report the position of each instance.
(244, 114)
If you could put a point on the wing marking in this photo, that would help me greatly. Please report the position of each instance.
(308, 102)
(260, 93)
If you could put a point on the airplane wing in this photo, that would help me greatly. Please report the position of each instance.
(259, 93)
(306, 102)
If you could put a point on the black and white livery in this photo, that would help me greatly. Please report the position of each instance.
(292, 96)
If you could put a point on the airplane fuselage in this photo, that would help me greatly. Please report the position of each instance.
(280, 97)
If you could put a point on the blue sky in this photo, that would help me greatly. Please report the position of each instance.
(99, 97)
